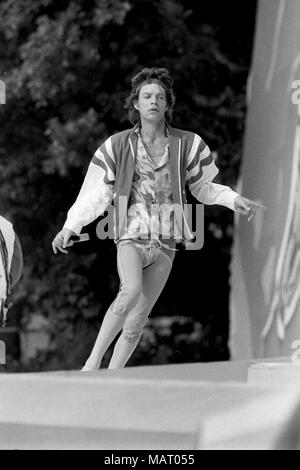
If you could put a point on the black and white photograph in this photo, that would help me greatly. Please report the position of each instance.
(149, 227)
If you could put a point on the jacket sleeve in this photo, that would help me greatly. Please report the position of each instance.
(96, 192)
(201, 170)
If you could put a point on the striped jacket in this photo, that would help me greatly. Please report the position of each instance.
(110, 174)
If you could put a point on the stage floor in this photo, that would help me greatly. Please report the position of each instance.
(188, 406)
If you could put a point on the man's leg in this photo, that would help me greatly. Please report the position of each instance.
(154, 280)
(130, 272)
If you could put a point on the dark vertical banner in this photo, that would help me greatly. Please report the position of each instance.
(265, 270)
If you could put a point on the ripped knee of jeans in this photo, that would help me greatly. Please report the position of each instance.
(119, 309)
(132, 336)
(125, 299)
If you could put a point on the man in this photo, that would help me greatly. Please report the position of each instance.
(147, 167)
(11, 265)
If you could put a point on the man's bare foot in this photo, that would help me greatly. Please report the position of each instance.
(89, 367)
(86, 369)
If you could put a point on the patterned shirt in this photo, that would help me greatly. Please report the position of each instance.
(149, 214)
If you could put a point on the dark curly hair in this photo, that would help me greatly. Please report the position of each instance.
(150, 75)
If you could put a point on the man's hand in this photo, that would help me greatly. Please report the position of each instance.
(61, 240)
(247, 207)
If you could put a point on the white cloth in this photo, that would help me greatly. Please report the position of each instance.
(9, 237)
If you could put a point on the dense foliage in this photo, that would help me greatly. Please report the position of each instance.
(67, 67)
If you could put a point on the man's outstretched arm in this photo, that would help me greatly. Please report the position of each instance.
(95, 196)
(201, 170)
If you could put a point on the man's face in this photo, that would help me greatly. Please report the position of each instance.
(152, 103)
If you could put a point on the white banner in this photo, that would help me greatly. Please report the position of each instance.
(265, 271)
